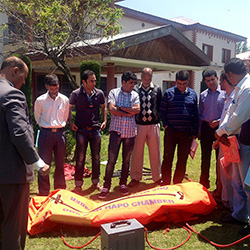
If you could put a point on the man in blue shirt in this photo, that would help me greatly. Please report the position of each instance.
(210, 108)
(179, 114)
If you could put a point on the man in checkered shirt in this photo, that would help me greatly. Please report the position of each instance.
(123, 104)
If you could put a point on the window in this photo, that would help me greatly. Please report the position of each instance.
(14, 32)
(208, 50)
(226, 55)
(167, 85)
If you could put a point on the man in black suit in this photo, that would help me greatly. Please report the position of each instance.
(17, 155)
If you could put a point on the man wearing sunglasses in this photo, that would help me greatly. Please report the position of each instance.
(87, 100)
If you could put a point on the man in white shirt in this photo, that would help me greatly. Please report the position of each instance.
(51, 114)
(239, 113)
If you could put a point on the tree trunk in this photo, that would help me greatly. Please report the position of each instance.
(62, 66)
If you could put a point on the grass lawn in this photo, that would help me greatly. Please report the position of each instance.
(209, 225)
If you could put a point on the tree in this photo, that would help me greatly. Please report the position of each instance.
(52, 29)
(241, 47)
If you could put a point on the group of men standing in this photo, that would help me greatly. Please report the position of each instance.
(136, 112)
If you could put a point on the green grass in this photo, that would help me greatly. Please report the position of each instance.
(209, 225)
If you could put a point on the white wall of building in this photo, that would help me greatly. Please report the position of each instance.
(129, 24)
(218, 43)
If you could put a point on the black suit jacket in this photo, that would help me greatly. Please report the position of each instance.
(17, 151)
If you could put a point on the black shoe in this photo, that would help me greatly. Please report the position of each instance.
(164, 183)
(124, 189)
(245, 231)
(158, 182)
(221, 206)
(104, 193)
(133, 183)
(232, 220)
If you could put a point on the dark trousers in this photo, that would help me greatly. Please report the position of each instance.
(171, 139)
(48, 143)
(14, 204)
(83, 137)
(115, 142)
(207, 139)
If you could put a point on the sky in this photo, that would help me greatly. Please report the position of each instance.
(230, 15)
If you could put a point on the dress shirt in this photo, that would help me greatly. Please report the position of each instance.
(124, 125)
(211, 104)
(180, 111)
(239, 108)
(50, 113)
(226, 111)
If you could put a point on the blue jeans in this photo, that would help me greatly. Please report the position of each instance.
(241, 197)
(115, 142)
(82, 138)
(48, 143)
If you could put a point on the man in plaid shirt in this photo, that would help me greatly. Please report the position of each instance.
(123, 104)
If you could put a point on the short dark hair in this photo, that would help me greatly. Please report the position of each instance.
(126, 76)
(223, 76)
(86, 73)
(208, 73)
(51, 80)
(235, 66)
(13, 61)
(182, 75)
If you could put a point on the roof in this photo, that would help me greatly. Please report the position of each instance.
(183, 20)
(181, 23)
(244, 55)
(162, 48)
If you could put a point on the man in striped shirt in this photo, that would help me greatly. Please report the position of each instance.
(179, 114)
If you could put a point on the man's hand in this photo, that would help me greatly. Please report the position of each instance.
(223, 139)
(45, 170)
(199, 136)
(103, 126)
(213, 124)
(216, 144)
(73, 126)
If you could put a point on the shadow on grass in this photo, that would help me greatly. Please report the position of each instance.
(68, 231)
(219, 233)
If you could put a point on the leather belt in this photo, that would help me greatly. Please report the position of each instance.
(54, 130)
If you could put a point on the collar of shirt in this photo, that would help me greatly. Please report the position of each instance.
(217, 90)
(238, 86)
(186, 91)
(125, 93)
(48, 96)
(91, 94)
(151, 86)
(10, 83)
